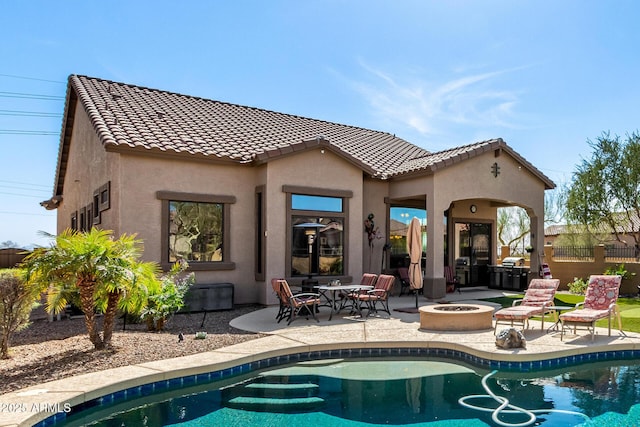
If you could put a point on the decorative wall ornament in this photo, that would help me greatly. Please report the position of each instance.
(495, 169)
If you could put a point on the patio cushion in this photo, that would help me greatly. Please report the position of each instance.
(518, 312)
(537, 298)
(585, 315)
(599, 303)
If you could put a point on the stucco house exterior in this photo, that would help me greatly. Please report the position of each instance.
(227, 187)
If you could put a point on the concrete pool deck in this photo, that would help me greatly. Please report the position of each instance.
(400, 330)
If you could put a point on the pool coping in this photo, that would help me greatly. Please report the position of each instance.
(399, 335)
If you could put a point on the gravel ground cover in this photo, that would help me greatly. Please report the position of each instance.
(48, 351)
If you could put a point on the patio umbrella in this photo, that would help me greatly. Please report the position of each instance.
(414, 247)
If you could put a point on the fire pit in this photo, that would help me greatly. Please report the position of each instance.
(456, 317)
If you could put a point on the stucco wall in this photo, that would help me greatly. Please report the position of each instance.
(374, 192)
(136, 179)
(319, 169)
(88, 168)
(567, 270)
(141, 210)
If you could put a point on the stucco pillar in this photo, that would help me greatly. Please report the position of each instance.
(434, 281)
(536, 228)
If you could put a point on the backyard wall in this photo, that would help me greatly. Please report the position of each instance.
(567, 270)
(11, 257)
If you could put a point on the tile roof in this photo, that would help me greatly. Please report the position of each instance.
(129, 117)
(137, 117)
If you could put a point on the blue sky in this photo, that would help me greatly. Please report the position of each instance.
(546, 76)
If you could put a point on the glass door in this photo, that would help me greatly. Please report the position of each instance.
(472, 243)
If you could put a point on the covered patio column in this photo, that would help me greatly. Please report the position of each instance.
(434, 281)
(536, 230)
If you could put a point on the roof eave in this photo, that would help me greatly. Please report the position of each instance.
(68, 118)
(319, 142)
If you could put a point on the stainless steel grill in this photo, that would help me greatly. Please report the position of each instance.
(512, 261)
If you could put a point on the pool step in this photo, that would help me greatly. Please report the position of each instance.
(282, 389)
(273, 404)
(275, 394)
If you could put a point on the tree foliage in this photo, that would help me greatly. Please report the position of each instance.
(101, 273)
(513, 226)
(169, 298)
(604, 195)
(17, 299)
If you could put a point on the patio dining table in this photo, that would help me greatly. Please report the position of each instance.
(329, 292)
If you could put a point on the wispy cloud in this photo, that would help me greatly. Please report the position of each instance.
(431, 107)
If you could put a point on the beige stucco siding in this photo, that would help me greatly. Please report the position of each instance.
(141, 210)
(374, 202)
(514, 184)
(314, 169)
(88, 168)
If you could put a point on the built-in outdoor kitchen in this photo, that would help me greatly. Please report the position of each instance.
(512, 274)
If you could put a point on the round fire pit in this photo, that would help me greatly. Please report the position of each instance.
(456, 317)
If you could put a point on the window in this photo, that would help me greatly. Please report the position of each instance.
(196, 229)
(401, 216)
(317, 246)
(317, 228)
(74, 221)
(100, 203)
(82, 220)
(261, 241)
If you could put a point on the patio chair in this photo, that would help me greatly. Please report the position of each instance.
(537, 301)
(295, 304)
(378, 295)
(451, 279)
(285, 309)
(347, 298)
(600, 301)
(403, 277)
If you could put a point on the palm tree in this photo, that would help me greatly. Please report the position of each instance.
(98, 272)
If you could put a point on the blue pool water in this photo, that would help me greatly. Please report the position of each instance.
(425, 391)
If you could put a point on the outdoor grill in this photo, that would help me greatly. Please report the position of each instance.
(511, 274)
(512, 261)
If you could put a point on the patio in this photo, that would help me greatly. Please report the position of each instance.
(403, 329)
(343, 333)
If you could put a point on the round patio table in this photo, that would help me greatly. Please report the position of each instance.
(329, 292)
(558, 309)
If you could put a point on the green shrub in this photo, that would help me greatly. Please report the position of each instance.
(578, 286)
(17, 299)
(619, 270)
(169, 298)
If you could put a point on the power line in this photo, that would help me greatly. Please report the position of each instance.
(32, 78)
(25, 213)
(24, 183)
(21, 195)
(25, 188)
(27, 132)
(28, 113)
(31, 96)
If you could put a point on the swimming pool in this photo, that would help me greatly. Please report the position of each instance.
(356, 391)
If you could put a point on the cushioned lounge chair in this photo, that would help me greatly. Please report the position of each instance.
(537, 299)
(295, 304)
(600, 301)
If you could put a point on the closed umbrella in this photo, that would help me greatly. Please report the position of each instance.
(414, 247)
